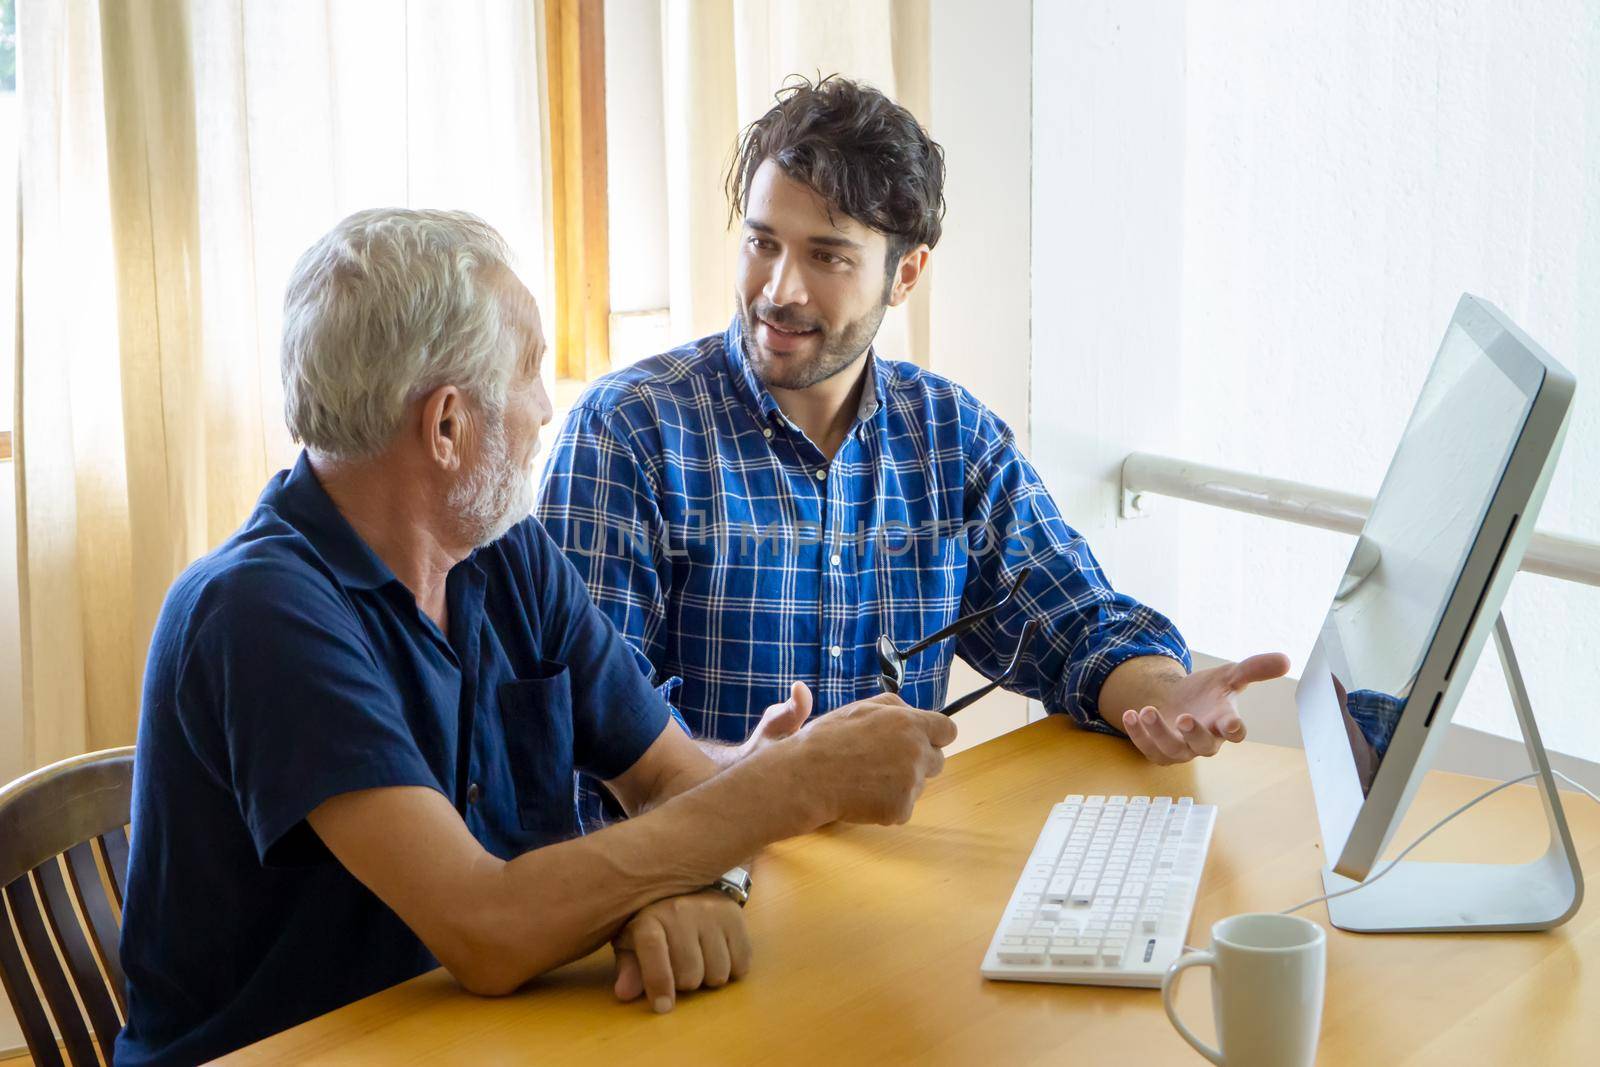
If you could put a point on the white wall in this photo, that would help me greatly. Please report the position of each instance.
(1350, 171)
(1107, 244)
(1337, 176)
(979, 111)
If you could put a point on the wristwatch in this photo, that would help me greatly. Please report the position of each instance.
(735, 883)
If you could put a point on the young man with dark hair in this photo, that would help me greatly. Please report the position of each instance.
(757, 509)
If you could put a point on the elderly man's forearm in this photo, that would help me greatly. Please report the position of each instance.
(555, 904)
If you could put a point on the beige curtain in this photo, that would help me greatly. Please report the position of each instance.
(723, 61)
(177, 156)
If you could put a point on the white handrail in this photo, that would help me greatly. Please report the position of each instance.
(1571, 559)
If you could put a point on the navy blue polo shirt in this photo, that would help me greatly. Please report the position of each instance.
(289, 666)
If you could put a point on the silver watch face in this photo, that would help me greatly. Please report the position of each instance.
(736, 883)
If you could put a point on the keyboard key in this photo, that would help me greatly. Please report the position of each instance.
(1021, 955)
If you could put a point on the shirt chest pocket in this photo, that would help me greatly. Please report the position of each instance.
(536, 714)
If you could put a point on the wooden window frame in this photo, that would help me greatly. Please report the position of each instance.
(575, 73)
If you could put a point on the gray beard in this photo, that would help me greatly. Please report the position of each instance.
(495, 495)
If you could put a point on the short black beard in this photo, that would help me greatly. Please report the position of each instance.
(839, 349)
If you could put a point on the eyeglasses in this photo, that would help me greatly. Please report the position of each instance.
(892, 661)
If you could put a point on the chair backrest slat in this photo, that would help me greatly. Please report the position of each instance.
(81, 965)
(60, 966)
(44, 813)
(24, 999)
(47, 969)
(92, 896)
(114, 850)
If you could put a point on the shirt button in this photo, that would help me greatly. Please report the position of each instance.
(834, 559)
(766, 432)
(822, 476)
(836, 650)
(473, 793)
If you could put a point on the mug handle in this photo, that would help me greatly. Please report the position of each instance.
(1169, 986)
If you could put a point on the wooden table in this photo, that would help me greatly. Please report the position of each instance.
(868, 941)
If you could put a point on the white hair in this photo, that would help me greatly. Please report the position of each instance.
(387, 306)
(495, 493)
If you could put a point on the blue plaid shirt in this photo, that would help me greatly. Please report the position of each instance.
(736, 558)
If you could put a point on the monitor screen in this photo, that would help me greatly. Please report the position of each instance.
(1423, 524)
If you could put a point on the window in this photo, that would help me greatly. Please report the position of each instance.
(575, 85)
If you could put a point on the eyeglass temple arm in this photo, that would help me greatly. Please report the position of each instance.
(967, 622)
(973, 697)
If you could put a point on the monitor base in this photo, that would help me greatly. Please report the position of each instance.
(1423, 897)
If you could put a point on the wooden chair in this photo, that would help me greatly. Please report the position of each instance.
(63, 869)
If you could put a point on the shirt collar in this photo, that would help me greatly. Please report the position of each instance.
(754, 393)
(299, 498)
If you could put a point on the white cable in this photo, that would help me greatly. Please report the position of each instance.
(1579, 787)
(1429, 833)
(1390, 866)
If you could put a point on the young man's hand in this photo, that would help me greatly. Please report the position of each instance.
(779, 720)
(679, 944)
(1184, 716)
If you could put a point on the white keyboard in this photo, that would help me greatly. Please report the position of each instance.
(1106, 896)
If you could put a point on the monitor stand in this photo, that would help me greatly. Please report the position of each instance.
(1423, 897)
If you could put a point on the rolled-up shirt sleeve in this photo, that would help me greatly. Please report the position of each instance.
(1087, 628)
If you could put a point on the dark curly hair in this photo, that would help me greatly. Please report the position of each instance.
(864, 154)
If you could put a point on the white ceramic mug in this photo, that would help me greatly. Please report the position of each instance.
(1267, 977)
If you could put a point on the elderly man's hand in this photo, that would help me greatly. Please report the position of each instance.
(868, 762)
(679, 944)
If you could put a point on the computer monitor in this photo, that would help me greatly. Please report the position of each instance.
(1425, 583)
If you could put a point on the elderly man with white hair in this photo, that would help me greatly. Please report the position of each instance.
(362, 713)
